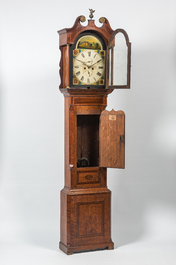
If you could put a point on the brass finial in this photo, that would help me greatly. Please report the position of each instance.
(82, 18)
(102, 20)
(91, 13)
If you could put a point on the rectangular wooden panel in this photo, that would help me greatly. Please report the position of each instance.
(112, 139)
(90, 219)
(88, 176)
(88, 101)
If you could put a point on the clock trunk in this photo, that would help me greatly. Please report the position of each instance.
(85, 199)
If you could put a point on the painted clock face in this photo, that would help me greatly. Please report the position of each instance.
(89, 66)
(88, 62)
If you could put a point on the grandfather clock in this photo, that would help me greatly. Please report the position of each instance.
(94, 62)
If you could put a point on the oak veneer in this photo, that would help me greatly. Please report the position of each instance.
(93, 136)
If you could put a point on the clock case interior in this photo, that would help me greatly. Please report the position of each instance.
(73, 46)
(88, 140)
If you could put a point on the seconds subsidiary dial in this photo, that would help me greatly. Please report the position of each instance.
(89, 67)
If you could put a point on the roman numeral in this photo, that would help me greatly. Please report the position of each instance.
(88, 80)
(95, 55)
(82, 54)
(98, 74)
(100, 67)
(76, 66)
(82, 78)
(78, 73)
(89, 53)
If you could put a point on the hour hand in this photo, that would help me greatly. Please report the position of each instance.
(96, 62)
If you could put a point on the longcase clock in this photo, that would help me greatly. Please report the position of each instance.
(91, 67)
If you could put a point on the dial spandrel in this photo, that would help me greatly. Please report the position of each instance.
(88, 67)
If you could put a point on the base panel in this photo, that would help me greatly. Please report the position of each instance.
(78, 249)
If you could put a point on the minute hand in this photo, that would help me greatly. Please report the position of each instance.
(96, 62)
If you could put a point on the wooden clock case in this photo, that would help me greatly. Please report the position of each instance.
(93, 133)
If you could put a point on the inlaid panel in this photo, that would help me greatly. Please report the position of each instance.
(90, 219)
(90, 216)
(88, 177)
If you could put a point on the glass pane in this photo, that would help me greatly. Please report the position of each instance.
(118, 61)
(110, 61)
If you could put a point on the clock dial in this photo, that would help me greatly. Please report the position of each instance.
(89, 66)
